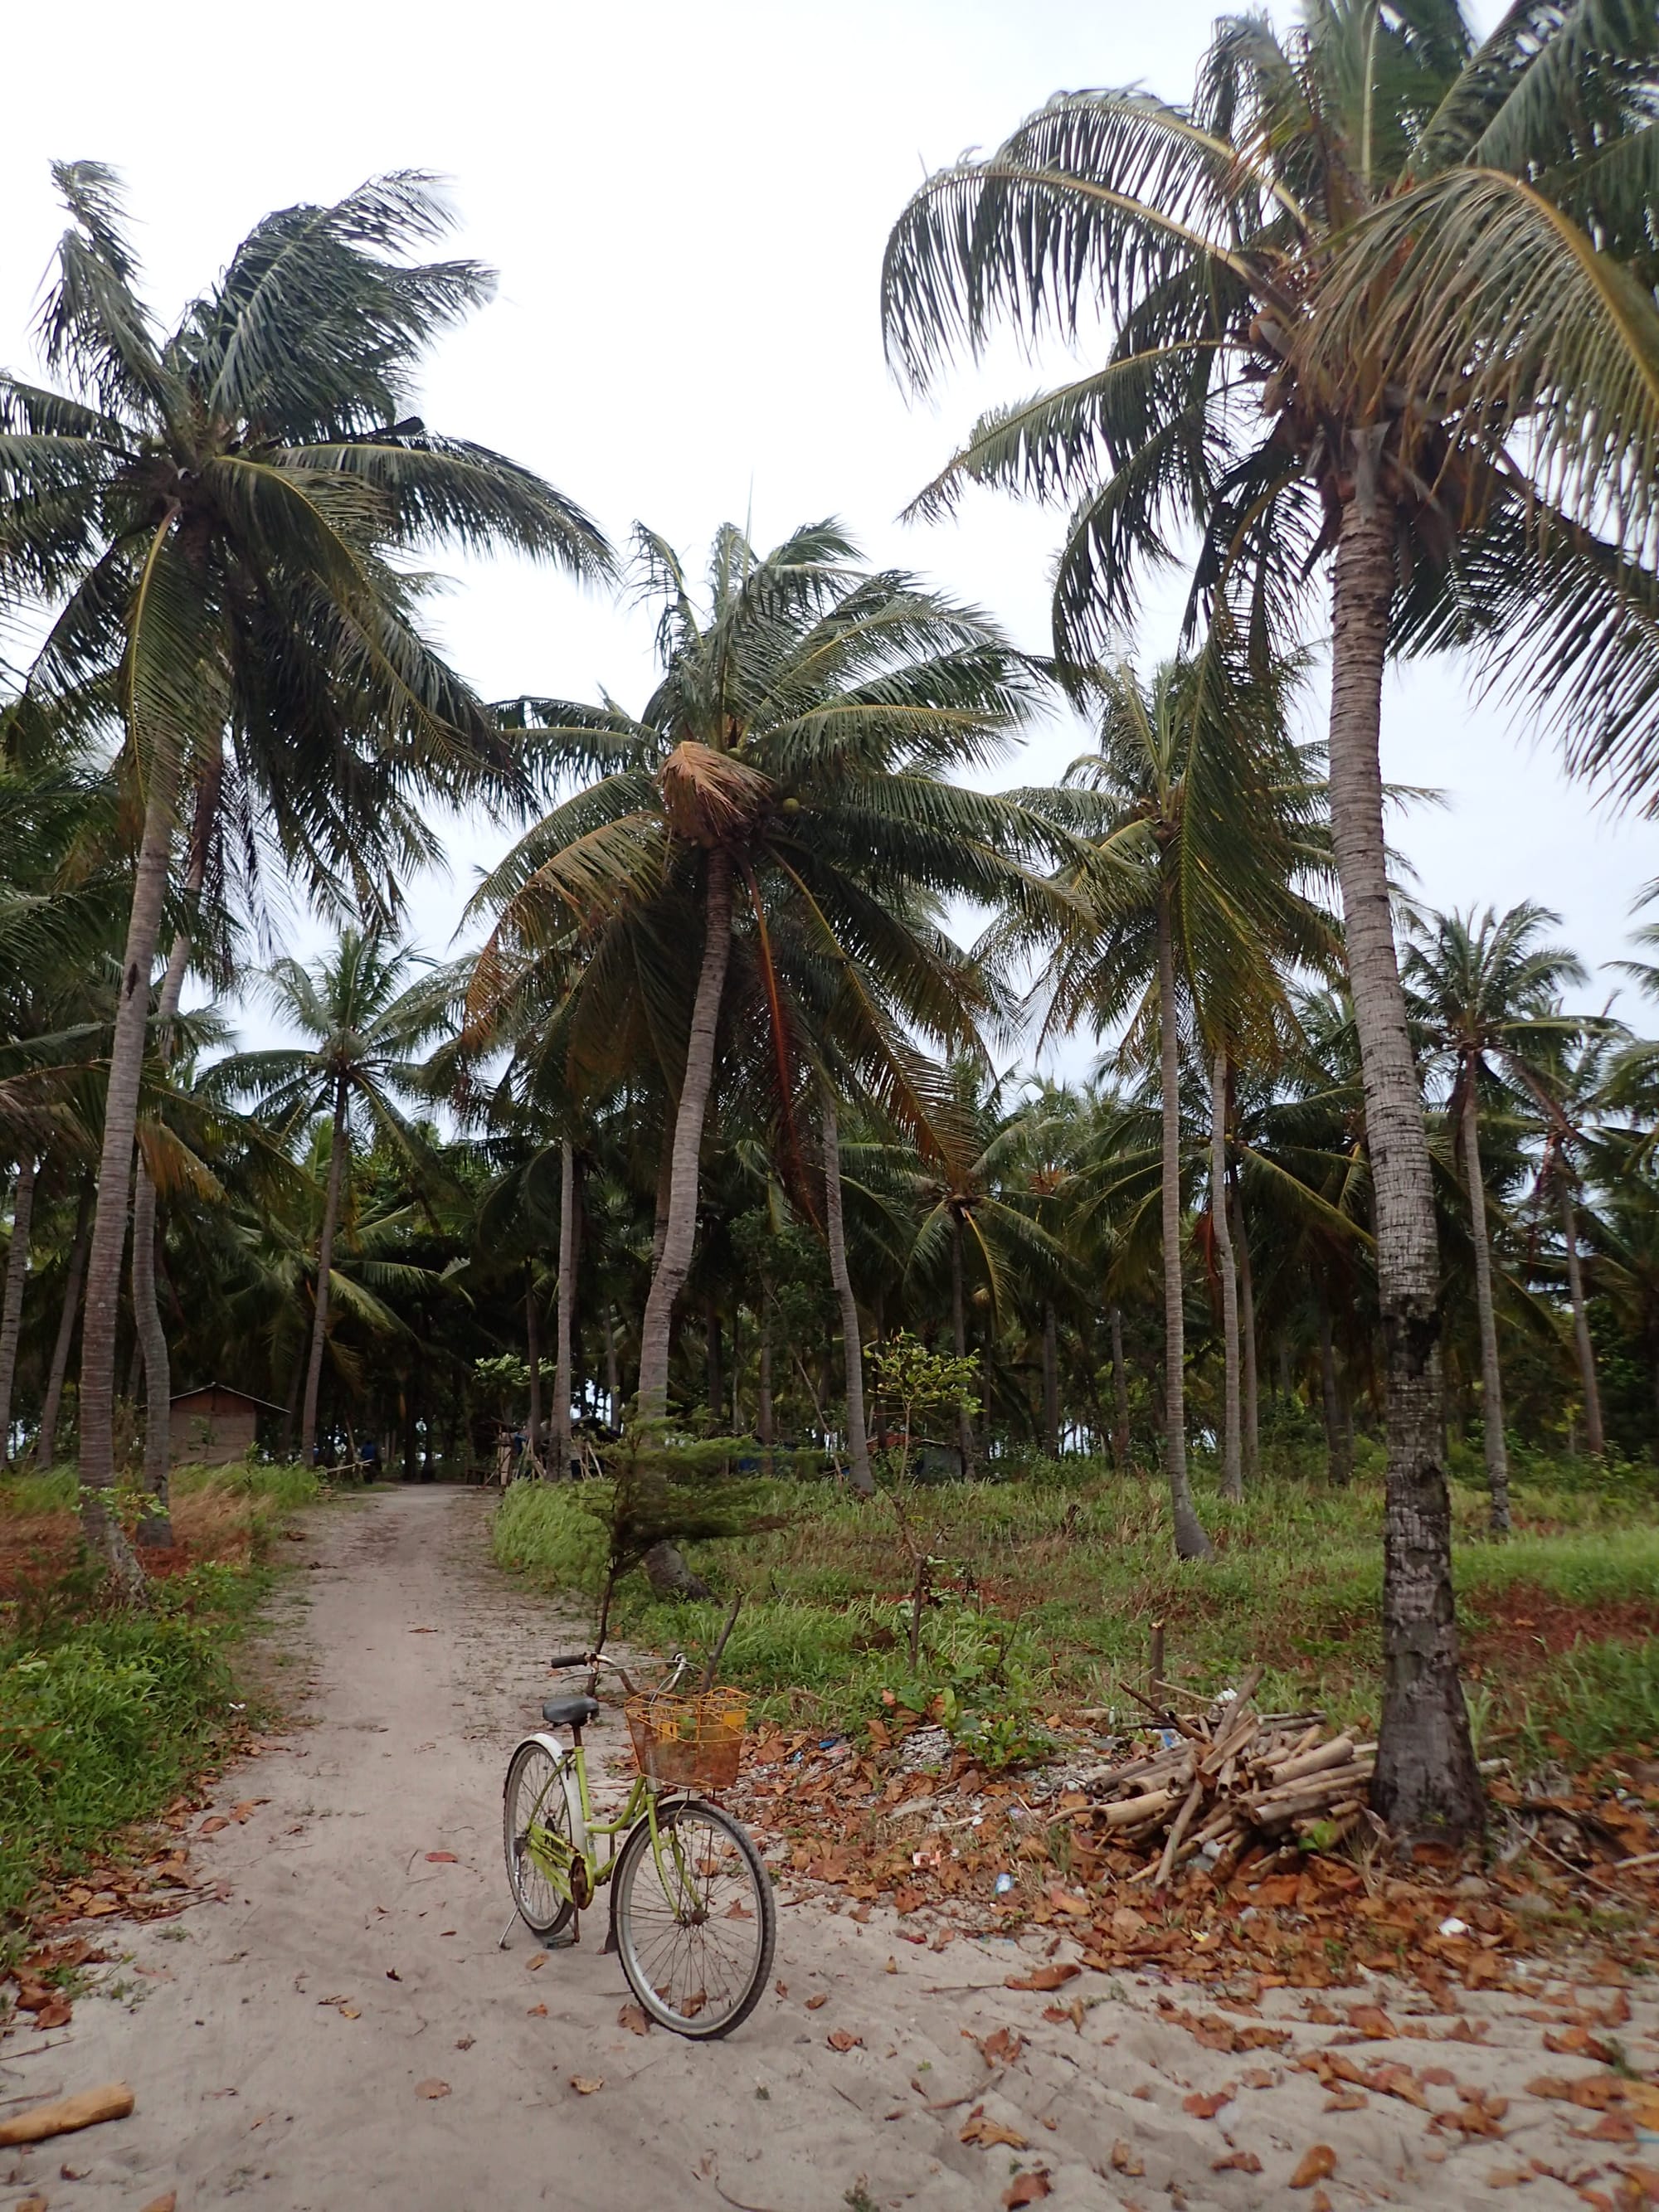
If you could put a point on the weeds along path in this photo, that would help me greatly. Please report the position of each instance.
(338, 2029)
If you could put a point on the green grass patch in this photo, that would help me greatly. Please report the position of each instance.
(1046, 1586)
(107, 1712)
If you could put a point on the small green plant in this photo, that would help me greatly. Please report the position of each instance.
(664, 1488)
(913, 1381)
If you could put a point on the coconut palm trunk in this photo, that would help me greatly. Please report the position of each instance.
(156, 1527)
(959, 1345)
(532, 1342)
(559, 1452)
(1339, 1457)
(763, 1420)
(680, 1229)
(1492, 1373)
(1594, 1434)
(1119, 1395)
(1191, 1542)
(1426, 1769)
(109, 1231)
(45, 1446)
(1050, 1381)
(11, 1309)
(858, 1443)
(1232, 1467)
(1252, 1437)
(336, 1152)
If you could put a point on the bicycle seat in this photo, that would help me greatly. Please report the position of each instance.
(570, 1712)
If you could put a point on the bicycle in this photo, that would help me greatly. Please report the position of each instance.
(692, 1915)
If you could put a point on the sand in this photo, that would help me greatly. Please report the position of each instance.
(279, 2032)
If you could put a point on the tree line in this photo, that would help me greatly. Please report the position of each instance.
(1373, 313)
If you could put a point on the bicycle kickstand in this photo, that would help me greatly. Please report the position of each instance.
(560, 1943)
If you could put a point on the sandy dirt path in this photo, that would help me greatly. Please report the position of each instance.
(276, 2034)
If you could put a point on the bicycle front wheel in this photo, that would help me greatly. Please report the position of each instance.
(696, 1922)
(535, 1836)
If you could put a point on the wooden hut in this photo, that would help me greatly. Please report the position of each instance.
(215, 1424)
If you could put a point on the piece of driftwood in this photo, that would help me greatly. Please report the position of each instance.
(111, 2102)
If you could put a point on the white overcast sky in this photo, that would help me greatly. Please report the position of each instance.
(687, 205)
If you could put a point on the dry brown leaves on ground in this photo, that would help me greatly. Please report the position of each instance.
(1244, 1912)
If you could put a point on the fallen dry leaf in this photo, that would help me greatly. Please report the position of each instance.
(586, 2085)
(1026, 2188)
(167, 2204)
(212, 1827)
(1347, 2101)
(31, 2204)
(1612, 2127)
(1509, 2177)
(634, 2019)
(842, 2039)
(1042, 1978)
(1203, 2107)
(1237, 2162)
(1126, 2159)
(1316, 2163)
(348, 2012)
(988, 2133)
(441, 1858)
(821, 1998)
(535, 1959)
(535, 2012)
(1001, 2046)
(432, 2088)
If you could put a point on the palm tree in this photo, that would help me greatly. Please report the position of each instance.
(1206, 836)
(1384, 292)
(1486, 996)
(367, 1013)
(215, 514)
(789, 771)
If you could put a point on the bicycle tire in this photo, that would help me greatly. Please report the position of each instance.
(531, 1892)
(743, 1874)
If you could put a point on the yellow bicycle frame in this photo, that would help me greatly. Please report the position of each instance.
(556, 1858)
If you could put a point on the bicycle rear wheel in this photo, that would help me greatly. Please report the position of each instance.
(694, 1919)
(534, 1800)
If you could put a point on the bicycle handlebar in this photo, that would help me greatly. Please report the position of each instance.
(593, 1660)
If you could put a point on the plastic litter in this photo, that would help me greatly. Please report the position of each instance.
(1004, 1883)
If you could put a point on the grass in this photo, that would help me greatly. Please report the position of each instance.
(106, 1713)
(1049, 1586)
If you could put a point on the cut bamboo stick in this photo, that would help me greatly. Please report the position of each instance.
(1178, 1829)
(1336, 1752)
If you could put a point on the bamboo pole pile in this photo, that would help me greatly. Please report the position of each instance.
(1233, 1777)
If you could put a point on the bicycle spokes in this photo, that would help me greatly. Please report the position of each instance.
(693, 1926)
